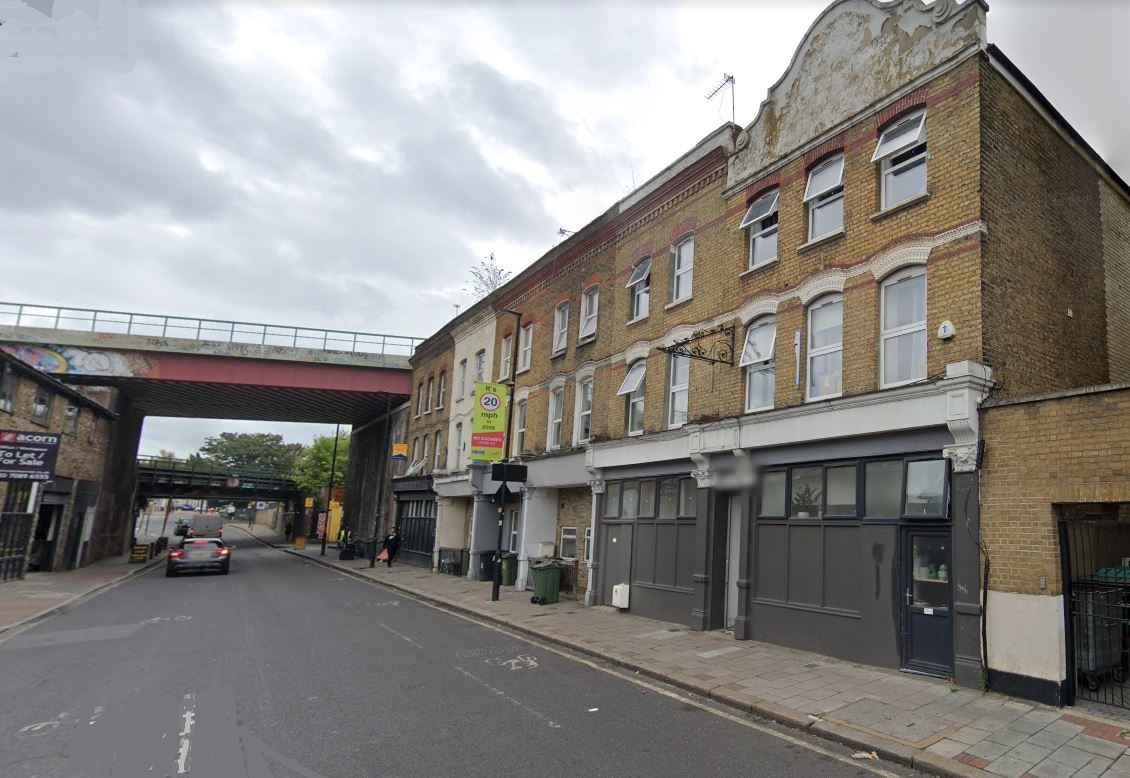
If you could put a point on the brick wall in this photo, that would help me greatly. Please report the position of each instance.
(1115, 208)
(1044, 313)
(574, 509)
(429, 364)
(1065, 452)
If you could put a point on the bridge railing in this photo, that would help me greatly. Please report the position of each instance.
(156, 326)
(196, 472)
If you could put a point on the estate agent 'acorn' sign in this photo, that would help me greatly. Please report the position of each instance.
(27, 456)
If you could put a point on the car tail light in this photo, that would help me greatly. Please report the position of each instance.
(176, 552)
(222, 552)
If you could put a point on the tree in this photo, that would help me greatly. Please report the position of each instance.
(486, 277)
(251, 451)
(166, 454)
(312, 468)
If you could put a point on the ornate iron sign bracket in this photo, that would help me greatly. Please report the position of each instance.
(714, 345)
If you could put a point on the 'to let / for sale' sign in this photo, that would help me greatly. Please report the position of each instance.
(28, 456)
(488, 423)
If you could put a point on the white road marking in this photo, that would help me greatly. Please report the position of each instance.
(185, 734)
(520, 662)
(97, 712)
(44, 726)
(552, 724)
(399, 635)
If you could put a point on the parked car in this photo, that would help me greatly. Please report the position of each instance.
(198, 554)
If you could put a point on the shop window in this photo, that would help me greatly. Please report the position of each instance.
(568, 549)
(688, 503)
(647, 499)
(630, 500)
(612, 499)
(840, 489)
(588, 545)
(669, 498)
(773, 493)
(806, 497)
(925, 488)
(882, 484)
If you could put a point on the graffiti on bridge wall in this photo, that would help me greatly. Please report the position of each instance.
(80, 361)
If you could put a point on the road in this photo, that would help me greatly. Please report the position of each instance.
(285, 668)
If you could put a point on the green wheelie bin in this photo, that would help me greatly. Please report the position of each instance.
(509, 568)
(547, 583)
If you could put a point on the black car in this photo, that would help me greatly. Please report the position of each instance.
(181, 527)
(199, 554)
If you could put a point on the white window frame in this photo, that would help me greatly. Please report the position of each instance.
(813, 353)
(561, 540)
(682, 269)
(907, 329)
(415, 449)
(458, 445)
(633, 388)
(420, 400)
(590, 308)
(431, 395)
(584, 415)
(639, 290)
(896, 151)
(674, 390)
(70, 420)
(519, 428)
(462, 379)
(480, 365)
(525, 347)
(761, 221)
(439, 448)
(588, 545)
(816, 198)
(556, 426)
(504, 358)
(759, 363)
(7, 387)
(442, 390)
(560, 328)
(426, 438)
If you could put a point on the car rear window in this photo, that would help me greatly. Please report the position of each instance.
(204, 542)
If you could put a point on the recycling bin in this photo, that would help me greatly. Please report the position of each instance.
(547, 583)
(509, 568)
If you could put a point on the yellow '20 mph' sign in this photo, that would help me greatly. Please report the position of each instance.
(488, 423)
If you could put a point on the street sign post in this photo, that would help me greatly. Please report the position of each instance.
(488, 422)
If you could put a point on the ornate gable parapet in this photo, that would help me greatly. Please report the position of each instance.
(854, 55)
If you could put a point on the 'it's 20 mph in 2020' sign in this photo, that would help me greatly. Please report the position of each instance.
(27, 456)
(488, 423)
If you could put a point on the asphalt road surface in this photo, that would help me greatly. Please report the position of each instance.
(284, 668)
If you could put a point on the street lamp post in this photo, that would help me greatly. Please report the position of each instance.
(330, 493)
(497, 582)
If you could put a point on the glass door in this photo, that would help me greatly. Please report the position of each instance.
(928, 599)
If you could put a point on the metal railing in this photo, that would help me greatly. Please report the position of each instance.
(153, 471)
(216, 330)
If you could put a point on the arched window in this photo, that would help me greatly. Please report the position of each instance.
(903, 327)
(760, 364)
(825, 347)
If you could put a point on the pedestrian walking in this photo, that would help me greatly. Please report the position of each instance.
(289, 529)
(391, 546)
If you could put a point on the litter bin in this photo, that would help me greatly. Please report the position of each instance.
(509, 568)
(547, 583)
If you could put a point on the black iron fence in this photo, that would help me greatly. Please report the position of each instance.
(1096, 566)
(15, 532)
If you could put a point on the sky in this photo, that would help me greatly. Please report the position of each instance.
(344, 164)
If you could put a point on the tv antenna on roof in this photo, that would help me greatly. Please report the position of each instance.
(727, 80)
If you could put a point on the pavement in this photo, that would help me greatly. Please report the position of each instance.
(909, 719)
